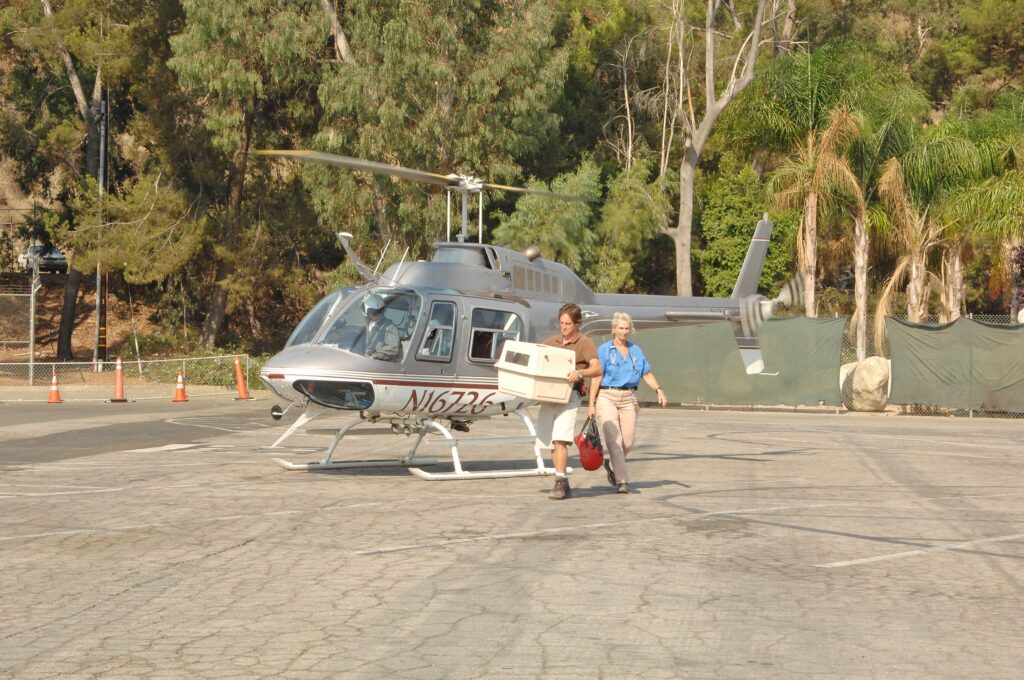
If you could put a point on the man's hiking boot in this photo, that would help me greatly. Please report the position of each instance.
(561, 490)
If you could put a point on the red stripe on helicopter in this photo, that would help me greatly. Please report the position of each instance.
(413, 383)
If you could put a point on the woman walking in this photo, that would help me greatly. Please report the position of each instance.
(613, 396)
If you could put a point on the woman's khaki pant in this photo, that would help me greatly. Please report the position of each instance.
(616, 412)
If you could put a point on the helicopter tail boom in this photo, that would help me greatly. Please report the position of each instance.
(745, 310)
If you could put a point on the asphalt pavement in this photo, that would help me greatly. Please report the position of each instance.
(159, 540)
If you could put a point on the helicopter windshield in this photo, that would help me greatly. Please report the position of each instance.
(377, 323)
(314, 320)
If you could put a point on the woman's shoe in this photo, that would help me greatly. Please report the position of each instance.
(608, 469)
(623, 487)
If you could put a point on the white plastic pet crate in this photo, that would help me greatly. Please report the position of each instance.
(535, 372)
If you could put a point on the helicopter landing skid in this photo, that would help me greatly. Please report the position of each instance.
(326, 463)
(455, 443)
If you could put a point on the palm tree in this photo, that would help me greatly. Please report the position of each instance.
(816, 179)
(883, 132)
(791, 111)
(916, 189)
(914, 233)
(993, 208)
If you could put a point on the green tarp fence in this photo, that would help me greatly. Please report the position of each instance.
(966, 364)
(702, 365)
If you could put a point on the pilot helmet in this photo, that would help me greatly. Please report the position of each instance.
(373, 303)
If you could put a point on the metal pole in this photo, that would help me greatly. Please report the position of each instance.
(97, 360)
(465, 216)
(480, 216)
(36, 285)
(448, 237)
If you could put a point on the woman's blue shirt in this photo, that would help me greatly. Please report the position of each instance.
(622, 372)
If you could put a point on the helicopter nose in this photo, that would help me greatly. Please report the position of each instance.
(347, 395)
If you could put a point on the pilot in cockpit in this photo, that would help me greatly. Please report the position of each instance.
(383, 341)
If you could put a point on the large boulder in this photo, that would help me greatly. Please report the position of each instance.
(865, 384)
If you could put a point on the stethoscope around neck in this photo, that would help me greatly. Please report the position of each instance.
(616, 356)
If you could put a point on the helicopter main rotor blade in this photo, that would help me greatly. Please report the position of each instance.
(449, 181)
(365, 166)
(537, 192)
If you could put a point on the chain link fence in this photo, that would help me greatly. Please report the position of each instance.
(15, 315)
(203, 376)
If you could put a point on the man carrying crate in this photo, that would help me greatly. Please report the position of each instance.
(556, 423)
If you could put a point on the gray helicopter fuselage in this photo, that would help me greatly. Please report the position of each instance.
(452, 314)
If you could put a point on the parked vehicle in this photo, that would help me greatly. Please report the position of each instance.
(49, 257)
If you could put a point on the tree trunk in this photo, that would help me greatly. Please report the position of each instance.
(810, 253)
(217, 309)
(88, 111)
(1013, 257)
(953, 280)
(682, 235)
(790, 24)
(860, 284)
(341, 46)
(65, 350)
(916, 299)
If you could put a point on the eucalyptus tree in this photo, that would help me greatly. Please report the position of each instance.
(563, 230)
(457, 86)
(730, 34)
(72, 50)
(253, 65)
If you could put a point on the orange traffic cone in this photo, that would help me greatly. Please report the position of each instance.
(243, 391)
(179, 393)
(118, 384)
(54, 392)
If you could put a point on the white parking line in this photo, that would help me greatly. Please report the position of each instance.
(920, 551)
(166, 447)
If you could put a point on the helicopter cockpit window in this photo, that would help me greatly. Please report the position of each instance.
(314, 320)
(491, 328)
(377, 323)
(440, 334)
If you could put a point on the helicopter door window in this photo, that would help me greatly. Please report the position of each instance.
(440, 336)
(491, 328)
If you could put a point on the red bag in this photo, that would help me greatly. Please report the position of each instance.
(588, 441)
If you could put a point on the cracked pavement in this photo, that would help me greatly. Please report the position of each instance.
(756, 545)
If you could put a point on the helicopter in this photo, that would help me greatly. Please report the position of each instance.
(414, 348)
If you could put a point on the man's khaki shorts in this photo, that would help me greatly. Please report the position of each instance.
(557, 422)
